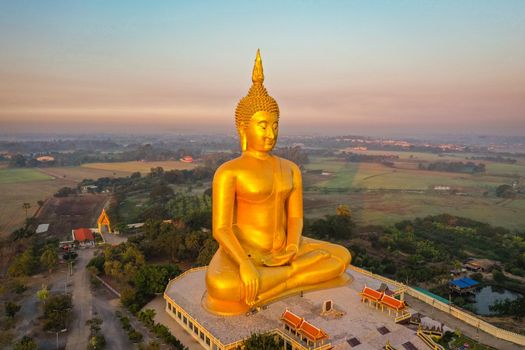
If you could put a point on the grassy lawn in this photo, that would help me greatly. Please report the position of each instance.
(9, 176)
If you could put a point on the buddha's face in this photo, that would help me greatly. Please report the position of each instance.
(261, 132)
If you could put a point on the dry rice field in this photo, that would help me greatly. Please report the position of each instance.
(142, 167)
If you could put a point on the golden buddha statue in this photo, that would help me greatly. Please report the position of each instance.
(258, 220)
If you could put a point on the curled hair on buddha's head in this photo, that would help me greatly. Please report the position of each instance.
(257, 99)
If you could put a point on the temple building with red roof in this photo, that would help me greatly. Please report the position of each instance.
(304, 332)
(84, 237)
(381, 300)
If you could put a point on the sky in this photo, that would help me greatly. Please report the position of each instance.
(334, 67)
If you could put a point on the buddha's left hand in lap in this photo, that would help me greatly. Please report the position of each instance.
(281, 258)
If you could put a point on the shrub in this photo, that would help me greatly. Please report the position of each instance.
(97, 342)
(26, 343)
(57, 312)
(135, 336)
(98, 263)
(262, 342)
(11, 309)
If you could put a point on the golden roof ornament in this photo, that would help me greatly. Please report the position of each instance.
(257, 99)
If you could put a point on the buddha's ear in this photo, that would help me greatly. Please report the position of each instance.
(242, 135)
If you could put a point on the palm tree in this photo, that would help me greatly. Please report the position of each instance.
(26, 206)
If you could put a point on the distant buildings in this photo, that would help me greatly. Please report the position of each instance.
(441, 188)
(45, 158)
(463, 285)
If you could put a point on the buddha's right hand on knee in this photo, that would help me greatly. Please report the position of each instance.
(250, 279)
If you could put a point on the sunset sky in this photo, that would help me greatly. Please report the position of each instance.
(337, 67)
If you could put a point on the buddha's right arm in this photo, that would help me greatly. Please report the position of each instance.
(222, 216)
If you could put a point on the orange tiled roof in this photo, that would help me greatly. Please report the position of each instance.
(392, 302)
(312, 332)
(371, 293)
(291, 319)
(83, 234)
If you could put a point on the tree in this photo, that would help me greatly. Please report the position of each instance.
(207, 252)
(26, 343)
(505, 191)
(153, 346)
(65, 191)
(343, 210)
(26, 206)
(262, 342)
(94, 325)
(49, 258)
(23, 265)
(515, 308)
(11, 309)
(43, 294)
(97, 342)
(57, 312)
(17, 161)
(40, 203)
(152, 279)
(147, 317)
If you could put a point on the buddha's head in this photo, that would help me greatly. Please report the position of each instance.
(257, 115)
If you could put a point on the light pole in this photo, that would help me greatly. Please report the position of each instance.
(60, 331)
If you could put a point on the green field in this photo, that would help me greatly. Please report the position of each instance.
(378, 194)
(8, 176)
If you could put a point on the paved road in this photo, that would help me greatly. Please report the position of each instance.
(78, 334)
(100, 303)
(113, 239)
(105, 304)
(454, 323)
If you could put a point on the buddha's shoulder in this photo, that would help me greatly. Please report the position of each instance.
(229, 167)
(288, 164)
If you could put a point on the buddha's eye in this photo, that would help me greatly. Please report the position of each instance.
(262, 125)
(275, 126)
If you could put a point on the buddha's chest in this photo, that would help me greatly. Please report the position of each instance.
(258, 183)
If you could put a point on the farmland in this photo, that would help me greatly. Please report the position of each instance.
(10, 176)
(29, 185)
(69, 213)
(379, 194)
(18, 186)
(142, 167)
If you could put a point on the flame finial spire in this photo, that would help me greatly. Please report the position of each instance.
(257, 99)
(258, 74)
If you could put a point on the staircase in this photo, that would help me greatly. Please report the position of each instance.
(427, 336)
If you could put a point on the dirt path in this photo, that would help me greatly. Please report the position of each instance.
(82, 303)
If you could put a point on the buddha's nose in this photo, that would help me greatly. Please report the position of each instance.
(270, 134)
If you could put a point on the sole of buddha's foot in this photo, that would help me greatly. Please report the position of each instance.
(309, 259)
(223, 307)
